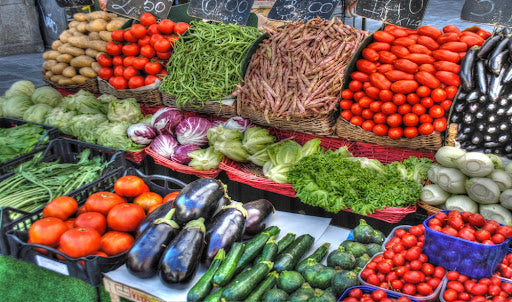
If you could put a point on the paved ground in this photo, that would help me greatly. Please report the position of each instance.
(28, 66)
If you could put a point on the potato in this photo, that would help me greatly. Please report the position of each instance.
(72, 50)
(105, 35)
(81, 61)
(73, 24)
(56, 44)
(80, 42)
(64, 58)
(59, 68)
(94, 35)
(97, 25)
(48, 74)
(66, 81)
(96, 66)
(79, 79)
(116, 23)
(49, 64)
(69, 72)
(80, 17)
(82, 27)
(50, 54)
(65, 35)
(88, 72)
(93, 53)
(100, 15)
(57, 77)
(98, 45)
(73, 31)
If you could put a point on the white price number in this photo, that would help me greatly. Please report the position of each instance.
(154, 7)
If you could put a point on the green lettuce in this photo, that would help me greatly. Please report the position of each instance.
(127, 110)
(59, 117)
(257, 138)
(205, 159)
(83, 102)
(47, 95)
(114, 135)
(37, 113)
(83, 126)
(21, 87)
(16, 105)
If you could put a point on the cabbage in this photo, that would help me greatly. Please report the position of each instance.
(47, 95)
(59, 117)
(113, 135)
(84, 126)
(15, 106)
(2, 101)
(127, 110)
(205, 159)
(192, 131)
(239, 123)
(256, 139)
(220, 133)
(37, 113)
(107, 98)
(166, 119)
(83, 102)
(181, 153)
(22, 87)
(164, 145)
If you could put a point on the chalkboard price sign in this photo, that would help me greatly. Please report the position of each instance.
(493, 12)
(405, 13)
(73, 3)
(135, 8)
(297, 10)
(226, 11)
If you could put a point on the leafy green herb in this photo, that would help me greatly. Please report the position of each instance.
(19, 140)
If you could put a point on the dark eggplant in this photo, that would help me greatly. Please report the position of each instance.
(468, 118)
(257, 212)
(496, 86)
(144, 256)
(181, 257)
(473, 107)
(480, 114)
(224, 229)
(199, 198)
(507, 78)
(504, 126)
(477, 138)
(472, 96)
(497, 63)
(500, 47)
(159, 212)
(488, 46)
(466, 69)
(481, 77)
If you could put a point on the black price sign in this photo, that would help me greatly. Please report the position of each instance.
(135, 8)
(226, 11)
(493, 12)
(72, 3)
(297, 10)
(405, 13)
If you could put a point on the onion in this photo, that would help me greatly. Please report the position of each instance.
(164, 145)
(192, 131)
(181, 153)
(141, 134)
(166, 119)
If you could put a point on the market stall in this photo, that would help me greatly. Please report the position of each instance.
(178, 155)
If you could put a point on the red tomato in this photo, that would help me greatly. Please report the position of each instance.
(130, 72)
(163, 55)
(355, 85)
(80, 242)
(47, 231)
(152, 68)
(386, 95)
(450, 295)
(106, 73)
(129, 37)
(388, 108)
(395, 132)
(427, 102)
(150, 79)
(180, 28)
(438, 95)
(426, 129)
(399, 99)
(144, 41)
(102, 202)
(375, 106)
(440, 124)
(394, 120)
(104, 60)
(436, 111)
(130, 49)
(138, 30)
(118, 35)
(411, 119)
(451, 91)
(125, 217)
(356, 120)
(147, 51)
(367, 114)
(118, 82)
(135, 82)
(166, 26)
(504, 230)
(93, 220)
(117, 60)
(147, 19)
(368, 125)
(130, 186)
(119, 70)
(128, 61)
(113, 49)
(379, 118)
(114, 242)
(380, 130)
(61, 207)
(148, 199)
(404, 109)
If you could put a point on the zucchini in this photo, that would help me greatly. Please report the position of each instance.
(290, 281)
(373, 248)
(357, 249)
(275, 295)
(312, 268)
(323, 296)
(362, 261)
(204, 285)
(254, 247)
(263, 287)
(214, 297)
(227, 269)
(304, 294)
(269, 252)
(284, 242)
(343, 280)
(322, 278)
(245, 282)
(318, 255)
(341, 259)
(365, 233)
(289, 258)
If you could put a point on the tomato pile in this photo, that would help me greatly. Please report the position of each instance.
(505, 268)
(103, 226)
(462, 288)
(138, 55)
(403, 267)
(378, 295)
(405, 82)
(470, 226)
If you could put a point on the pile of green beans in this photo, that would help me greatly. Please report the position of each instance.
(206, 62)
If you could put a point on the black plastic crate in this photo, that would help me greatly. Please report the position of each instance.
(51, 133)
(88, 269)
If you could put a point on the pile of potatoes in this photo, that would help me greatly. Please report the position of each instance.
(72, 59)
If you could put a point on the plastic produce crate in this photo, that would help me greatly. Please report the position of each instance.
(88, 269)
(444, 284)
(51, 133)
(473, 259)
(370, 289)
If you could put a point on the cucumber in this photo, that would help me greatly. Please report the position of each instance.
(290, 281)
(227, 269)
(275, 295)
(254, 247)
(204, 285)
(244, 283)
(318, 255)
(284, 242)
(214, 297)
(269, 252)
(289, 258)
(263, 287)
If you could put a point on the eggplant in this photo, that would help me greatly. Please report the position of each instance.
(144, 256)
(466, 69)
(159, 212)
(507, 78)
(257, 212)
(181, 257)
(481, 77)
(224, 229)
(504, 126)
(472, 96)
(497, 63)
(496, 86)
(199, 198)
(488, 46)
(500, 47)
(473, 107)
(468, 118)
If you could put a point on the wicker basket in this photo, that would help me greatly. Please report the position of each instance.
(150, 96)
(223, 108)
(431, 210)
(323, 125)
(90, 85)
(346, 130)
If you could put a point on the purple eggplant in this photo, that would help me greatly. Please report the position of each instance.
(144, 256)
(199, 198)
(181, 257)
(159, 212)
(224, 229)
(257, 212)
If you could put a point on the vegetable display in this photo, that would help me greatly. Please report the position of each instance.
(21, 139)
(406, 80)
(461, 287)
(298, 71)
(205, 64)
(482, 111)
